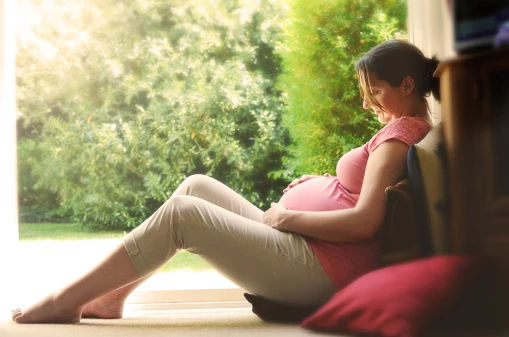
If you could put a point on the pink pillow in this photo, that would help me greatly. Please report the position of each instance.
(400, 300)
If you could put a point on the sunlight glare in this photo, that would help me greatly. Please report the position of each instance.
(26, 19)
(31, 15)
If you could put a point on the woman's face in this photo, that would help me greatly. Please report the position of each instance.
(390, 99)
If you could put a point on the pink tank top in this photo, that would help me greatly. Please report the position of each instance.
(345, 261)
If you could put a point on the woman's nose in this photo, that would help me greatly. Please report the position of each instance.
(365, 104)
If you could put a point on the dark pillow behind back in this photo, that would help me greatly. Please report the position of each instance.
(399, 235)
(426, 172)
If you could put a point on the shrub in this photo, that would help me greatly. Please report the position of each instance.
(321, 43)
(158, 91)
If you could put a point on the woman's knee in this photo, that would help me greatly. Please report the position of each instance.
(173, 211)
(196, 185)
(175, 206)
(181, 207)
(183, 215)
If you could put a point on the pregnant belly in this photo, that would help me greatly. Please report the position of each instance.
(317, 194)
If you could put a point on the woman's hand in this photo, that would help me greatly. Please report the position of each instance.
(303, 179)
(276, 217)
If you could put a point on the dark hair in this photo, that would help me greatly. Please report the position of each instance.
(392, 61)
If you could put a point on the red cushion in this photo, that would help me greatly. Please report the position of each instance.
(400, 300)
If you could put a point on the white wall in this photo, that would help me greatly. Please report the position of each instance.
(8, 188)
(430, 29)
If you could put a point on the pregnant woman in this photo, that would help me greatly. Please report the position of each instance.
(317, 238)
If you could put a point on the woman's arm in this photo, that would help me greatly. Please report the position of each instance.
(386, 166)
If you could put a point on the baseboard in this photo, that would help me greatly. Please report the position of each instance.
(187, 299)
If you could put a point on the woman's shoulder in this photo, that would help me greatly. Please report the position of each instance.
(408, 125)
(408, 130)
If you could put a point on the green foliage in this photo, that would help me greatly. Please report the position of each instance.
(322, 41)
(119, 101)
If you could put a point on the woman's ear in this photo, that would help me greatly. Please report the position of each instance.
(408, 85)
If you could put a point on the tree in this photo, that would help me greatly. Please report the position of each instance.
(321, 43)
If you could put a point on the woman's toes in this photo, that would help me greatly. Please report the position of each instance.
(18, 318)
(16, 313)
(47, 311)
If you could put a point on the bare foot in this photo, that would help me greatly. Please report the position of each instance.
(49, 310)
(103, 307)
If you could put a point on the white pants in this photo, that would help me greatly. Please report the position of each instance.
(205, 217)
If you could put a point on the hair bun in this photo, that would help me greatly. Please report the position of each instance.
(432, 83)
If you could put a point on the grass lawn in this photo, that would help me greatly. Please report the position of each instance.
(58, 231)
(62, 231)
